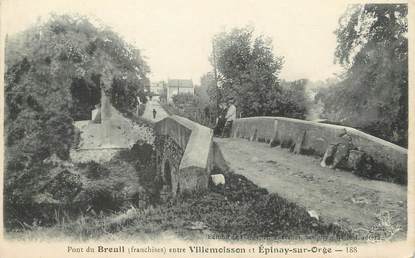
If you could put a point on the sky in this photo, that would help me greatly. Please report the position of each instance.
(175, 35)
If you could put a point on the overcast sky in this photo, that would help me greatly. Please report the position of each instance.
(175, 35)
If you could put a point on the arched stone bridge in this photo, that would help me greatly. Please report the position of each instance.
(260, 150)
(184, 154)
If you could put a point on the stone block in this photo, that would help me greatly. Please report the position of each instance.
(195, 164)
(218, 179)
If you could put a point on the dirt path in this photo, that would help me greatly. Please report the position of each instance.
(148, 112)
(337, 196)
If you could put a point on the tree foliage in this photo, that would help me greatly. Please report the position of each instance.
(207, 91)
(183, 99)
(294, 98)
(248, 73)
(372, 46)
(55, 72)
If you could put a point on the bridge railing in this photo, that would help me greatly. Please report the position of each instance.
(196, 141)
(315, 138)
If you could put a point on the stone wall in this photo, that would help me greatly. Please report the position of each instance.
(168, 157)
(315, 137)
(195, 163)
(109, 129)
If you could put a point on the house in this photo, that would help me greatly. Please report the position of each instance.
(179, 86)
(157, 87)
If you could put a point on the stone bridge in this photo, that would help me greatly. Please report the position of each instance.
(305, 137)
(187, 152)
(184, 154)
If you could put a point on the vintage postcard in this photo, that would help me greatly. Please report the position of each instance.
(223, 128)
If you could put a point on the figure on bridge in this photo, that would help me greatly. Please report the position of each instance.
(338, 151)
(220, 120)
(154, 113)
(230, 117)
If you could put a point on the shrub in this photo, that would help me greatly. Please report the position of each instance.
(52, 80)
(94, 170)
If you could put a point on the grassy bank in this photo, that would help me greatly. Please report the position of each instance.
(241, 210)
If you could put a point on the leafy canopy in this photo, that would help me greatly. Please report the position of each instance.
(248, 72)
(55, 72)
(372, 46)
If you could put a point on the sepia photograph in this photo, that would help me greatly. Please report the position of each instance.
(232, 127)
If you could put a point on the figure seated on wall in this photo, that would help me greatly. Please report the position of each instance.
(343, 154)
(338, 152)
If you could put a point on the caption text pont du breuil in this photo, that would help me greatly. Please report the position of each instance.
(261, 249)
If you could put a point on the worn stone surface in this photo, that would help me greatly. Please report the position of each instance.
(218, 179)
(286, 132)
(108, 128)
(337, 196)
(299, 142)
(168, 157)
(186, 152)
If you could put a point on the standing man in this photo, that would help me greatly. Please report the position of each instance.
(154, 113)
(220, 120)
(138, 105)
(230, 117)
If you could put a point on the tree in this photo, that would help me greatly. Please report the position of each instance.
(372, 46)
(294, 98)
(55, 72)
(247, 69)
(183, 99)
(163, 94)
(248, 72)
(72, 60)
(207, 91)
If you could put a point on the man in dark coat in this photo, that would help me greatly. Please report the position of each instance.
(220, 120)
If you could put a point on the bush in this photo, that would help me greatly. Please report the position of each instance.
(101, 196)
(141, 109)
(94, 170)
(183, 99)
(53, 80)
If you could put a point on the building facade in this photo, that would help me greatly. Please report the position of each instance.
(178, 86)
(157, 87)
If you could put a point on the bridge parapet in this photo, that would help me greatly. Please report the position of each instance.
(315, 137)
(184, 154)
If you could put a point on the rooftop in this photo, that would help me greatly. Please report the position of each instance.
(180, 83)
